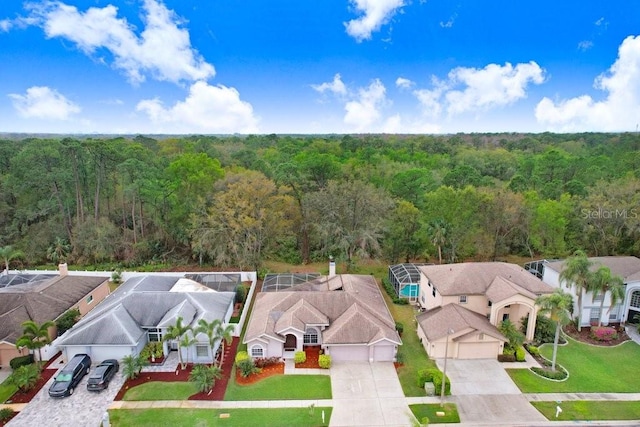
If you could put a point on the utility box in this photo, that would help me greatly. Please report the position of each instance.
(430, 388)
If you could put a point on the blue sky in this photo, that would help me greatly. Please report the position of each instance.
(330, 66)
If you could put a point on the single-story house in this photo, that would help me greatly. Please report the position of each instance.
(345, 315)
(496, 291)
(140, 310)
(627, 310)
(43, 298)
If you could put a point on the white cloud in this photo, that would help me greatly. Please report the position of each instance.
(585, 45)
(162, 50)
(473, 89)
(450, 22)
(363, 111)
(616, 112)
(5, 25)
(209, 109)
(336, 86)
(403, 83)
(41, 102)
(376, 13)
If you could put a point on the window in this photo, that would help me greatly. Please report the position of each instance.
(635, 299)
(434, 291)
(613, 316)
(154, 335)
(202, 351)
(257, 351)
(594, 315)
(310, 336)
(489, 304)
(89, 299)
(480, 336)
(597, 296)
(463, 299)
(505, 316)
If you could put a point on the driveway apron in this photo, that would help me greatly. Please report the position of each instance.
(367, 394)
(485, 393)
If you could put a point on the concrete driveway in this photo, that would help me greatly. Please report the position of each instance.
(367, 394)
(485, 394)
(83, 408)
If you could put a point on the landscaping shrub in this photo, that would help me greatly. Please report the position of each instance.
(434, 376)
(520, 354)
(241, 294)
(153, 348)
(67, 320)
(391, 291)
(603, 333)
(25, 377)
(400, 357)
(508, 351)
(16, 362)
(324, 360)
(241, 355)
(6, 413)
(558, 374)
(400, 327)
(247, 367)
(263, 362)
(533, 350)
(506, 357)
(300, 357)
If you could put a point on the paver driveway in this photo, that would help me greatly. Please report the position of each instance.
(367, 394)
(83, 408)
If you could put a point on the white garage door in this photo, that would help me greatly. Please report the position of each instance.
(351, 353)
(478, 350)
(383, 353)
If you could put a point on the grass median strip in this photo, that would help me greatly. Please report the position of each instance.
(588, 410)
(282, 387)
(275, 417)
(159, 390)
(448, 413)
(591, 370)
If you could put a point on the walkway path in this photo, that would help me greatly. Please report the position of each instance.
(632, 331)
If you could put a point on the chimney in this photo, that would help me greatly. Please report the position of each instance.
(332, 267)
(62, 268)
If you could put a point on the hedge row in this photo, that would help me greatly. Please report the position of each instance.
(435, 376)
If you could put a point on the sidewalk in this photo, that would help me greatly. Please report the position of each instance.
(632, 331)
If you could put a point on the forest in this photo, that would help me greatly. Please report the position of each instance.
(236, 201)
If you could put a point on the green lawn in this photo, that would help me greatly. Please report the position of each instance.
(591, 370)
(159, 390)
(415, 357)
(582, 410)
(430, 411)
(211, 417)
(282, 387)
(6, 391)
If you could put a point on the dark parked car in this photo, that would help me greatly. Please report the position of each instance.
(104, 372)
(68, 378)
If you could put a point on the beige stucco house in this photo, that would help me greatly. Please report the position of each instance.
(345, 315)
(464, 303)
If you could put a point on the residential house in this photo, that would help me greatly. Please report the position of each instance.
(465, 303)
(345, 315)
(627, 310)
(142, 309)
(43, 298)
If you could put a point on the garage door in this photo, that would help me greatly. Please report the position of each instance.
(383, 353)
(478, 350)
(348, 353)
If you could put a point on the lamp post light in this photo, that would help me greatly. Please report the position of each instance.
(444, 370)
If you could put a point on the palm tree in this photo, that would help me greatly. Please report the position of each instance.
(175, 332)
(576, 274)
(557, 305)
(35, 336)
(225, 334)
(7, 253)
(604, 281)
(132, 366)
(187, 341)
(210, 330)
(59, 250)
(438, 231)
(205, 377)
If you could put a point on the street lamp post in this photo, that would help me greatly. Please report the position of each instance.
(444, 370)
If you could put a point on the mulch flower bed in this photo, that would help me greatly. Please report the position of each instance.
(312, 358)
(6, 421)
(20, 397)
(585, 336)
(267, 371)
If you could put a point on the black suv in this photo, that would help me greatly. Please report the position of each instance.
(100, 377)
(68, 378)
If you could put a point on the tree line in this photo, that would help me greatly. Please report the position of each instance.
(235, 201)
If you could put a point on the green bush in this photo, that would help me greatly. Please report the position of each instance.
(520, 354)
(300, 357)
(400, 357)
(247, 367)
(153, 349)
(16, 362)
(25, 377)
(67, 320)
(558, 374)
(324, 360)
(508, 351)
(399, 327)
(6, 413)
(241, 355)
(533, 350)
(435, 376)
(241, 294)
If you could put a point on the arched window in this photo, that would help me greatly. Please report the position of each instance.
(257, 351)
(310, 336)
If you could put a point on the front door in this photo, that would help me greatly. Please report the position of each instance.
(291, 342)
